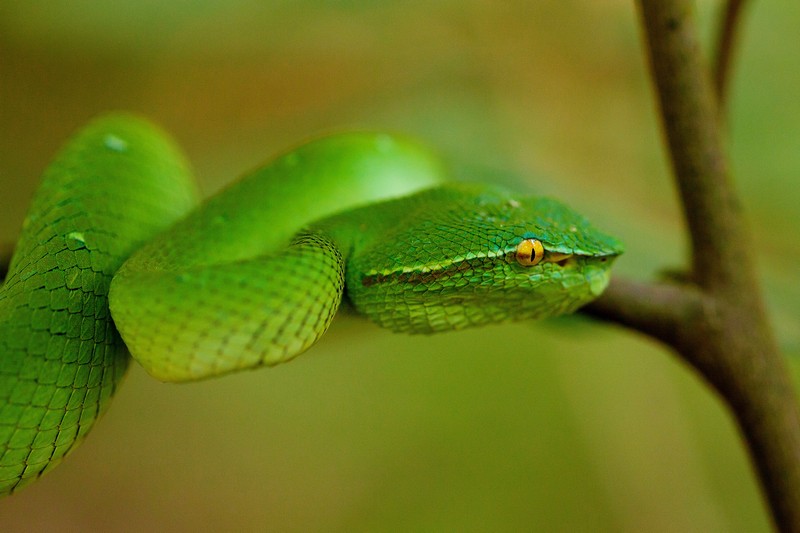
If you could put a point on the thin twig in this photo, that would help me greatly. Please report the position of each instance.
(727, 31)
(689, 112)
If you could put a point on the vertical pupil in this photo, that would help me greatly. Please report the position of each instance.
(529, 252)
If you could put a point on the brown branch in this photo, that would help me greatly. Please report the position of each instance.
(719, 324)
(736, 360)
(725, 44)
(658, 310)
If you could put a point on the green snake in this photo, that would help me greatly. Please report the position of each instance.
(255, 275)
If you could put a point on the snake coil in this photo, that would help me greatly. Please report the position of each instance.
(255, 275)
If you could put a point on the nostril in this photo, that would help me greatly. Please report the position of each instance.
(564, 262)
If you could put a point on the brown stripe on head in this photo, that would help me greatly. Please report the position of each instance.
(415, 277)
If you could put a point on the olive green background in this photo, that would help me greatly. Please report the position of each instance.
(556, 426)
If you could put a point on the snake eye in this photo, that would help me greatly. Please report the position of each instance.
(530, 252)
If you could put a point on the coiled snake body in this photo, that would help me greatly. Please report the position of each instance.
(255, 275)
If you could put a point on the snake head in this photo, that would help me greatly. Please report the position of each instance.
(466, 255)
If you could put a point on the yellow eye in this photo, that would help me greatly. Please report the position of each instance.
(530, 252)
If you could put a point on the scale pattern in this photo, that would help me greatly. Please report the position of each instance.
(444, 259)
(230, 287)
(113, 186)
(254, 276)
(209, 321)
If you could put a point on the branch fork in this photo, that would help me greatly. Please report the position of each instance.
(717, 323)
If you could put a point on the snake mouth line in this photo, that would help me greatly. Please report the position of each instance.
(564, 262)
(560, 259)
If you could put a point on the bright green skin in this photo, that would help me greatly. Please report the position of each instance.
(115, 185)
(445, 259)
(255, 276)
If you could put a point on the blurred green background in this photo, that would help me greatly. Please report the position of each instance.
(597, 430)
